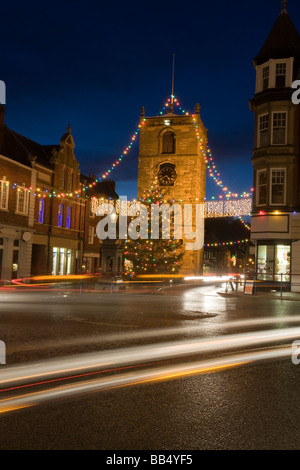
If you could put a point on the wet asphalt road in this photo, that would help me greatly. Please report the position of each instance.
(254, 406)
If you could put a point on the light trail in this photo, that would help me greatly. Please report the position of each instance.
(156, 333)
(140, 377)
(139, 354)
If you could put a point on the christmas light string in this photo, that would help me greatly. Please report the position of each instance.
(212, 169)
(211, 166)
(222, 244)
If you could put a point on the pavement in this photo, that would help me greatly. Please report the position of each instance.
(270, 294)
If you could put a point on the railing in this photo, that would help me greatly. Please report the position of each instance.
(280, 283)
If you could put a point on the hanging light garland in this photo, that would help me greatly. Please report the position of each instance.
(222, 244)
(206, 152)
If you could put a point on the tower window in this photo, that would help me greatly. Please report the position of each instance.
(279, 129)
(262, 187)
(278, 186)
(168, 142)
(280, 75)
(263, 130)
(265, 77)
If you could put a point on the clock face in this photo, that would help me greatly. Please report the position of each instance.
(167, 176)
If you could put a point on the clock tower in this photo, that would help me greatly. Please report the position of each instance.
(172, 154)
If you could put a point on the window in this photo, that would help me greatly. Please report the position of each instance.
(168, 142)
(278, 186)
(60, 215)
(70, 182)
(273, 262)
(68, 221)
(283, 263)
(261, 188)
(92, 213)
(1, 255)
(63, 178)
(265, 77)
(263, 130)
(280, 75)
(22, 200)
(279, 128)
(4, 191)
(41, 211)
(91, 235)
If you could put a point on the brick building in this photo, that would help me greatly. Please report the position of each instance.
(45, 219)
(109, 258)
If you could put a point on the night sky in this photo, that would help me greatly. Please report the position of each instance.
(94, 64)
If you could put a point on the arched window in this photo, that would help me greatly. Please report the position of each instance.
(168, 142)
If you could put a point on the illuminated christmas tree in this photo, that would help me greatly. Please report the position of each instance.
(154, 256)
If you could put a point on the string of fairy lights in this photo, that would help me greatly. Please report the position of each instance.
(227, 244)
(243, 205)
(211, 166)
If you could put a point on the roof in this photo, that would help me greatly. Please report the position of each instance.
(103, 188)
(283, 41)
(19, 148)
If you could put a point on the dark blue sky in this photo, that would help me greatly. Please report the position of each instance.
(94, 64)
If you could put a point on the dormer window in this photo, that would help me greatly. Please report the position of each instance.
(280, 79)
(275, 73)
(265, 77)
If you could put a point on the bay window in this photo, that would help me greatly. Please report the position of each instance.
(278, 183)
(279, 128)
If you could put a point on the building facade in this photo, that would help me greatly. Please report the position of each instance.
(100, 256)
(275, 223)
(172, 155)
(45, 219)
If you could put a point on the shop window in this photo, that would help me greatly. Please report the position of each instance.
(69, 261)
(283, 263)
(273, 263)
(265, 262)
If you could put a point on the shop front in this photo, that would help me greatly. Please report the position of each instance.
(273, 261)
(62, 263)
